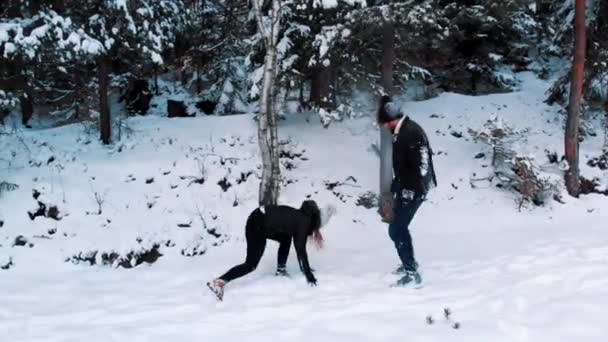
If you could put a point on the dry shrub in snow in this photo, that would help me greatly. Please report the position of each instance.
(511, 171)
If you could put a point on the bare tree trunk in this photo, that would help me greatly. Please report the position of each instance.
(572, 177)
(541, 13)
(27, 108)
(322, 87)
(81, 100)
(542, 7)
(59, 6)
(156, 90)
(268, 135)
(78, 89)
(198, 77)
(26, 101)
(105, 126)
(388, 56)
(267, 123)
(605, 146)
(386, 139)
(303, 104)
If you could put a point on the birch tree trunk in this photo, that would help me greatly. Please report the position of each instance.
(268, 139)
(572, 177)
(386, 140)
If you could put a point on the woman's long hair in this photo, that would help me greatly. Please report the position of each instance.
(311, 209)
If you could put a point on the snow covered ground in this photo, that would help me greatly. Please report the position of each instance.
(539, 274)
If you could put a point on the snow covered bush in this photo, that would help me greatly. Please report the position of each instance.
(228, 87)
(344, 111)
(510, 170)
(499, 135)
(52, 52)
(6, 262)
(7, 102)
(530, 184)
(7, 187)
(129, 260)
(211, 55)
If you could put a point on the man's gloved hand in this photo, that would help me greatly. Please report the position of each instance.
(407, 195)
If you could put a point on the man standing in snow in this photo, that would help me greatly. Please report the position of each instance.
(414, 176)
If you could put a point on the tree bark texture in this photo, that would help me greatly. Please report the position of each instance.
(26, 104)
(572, 177)
(386, 139)
(105, 123)
(267, 119)
(322, 87)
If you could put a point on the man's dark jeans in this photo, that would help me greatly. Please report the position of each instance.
(404, 211)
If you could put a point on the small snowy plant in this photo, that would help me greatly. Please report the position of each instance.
(511, 171)
(343, 111)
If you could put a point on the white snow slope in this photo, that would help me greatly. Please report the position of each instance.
(532, 275)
